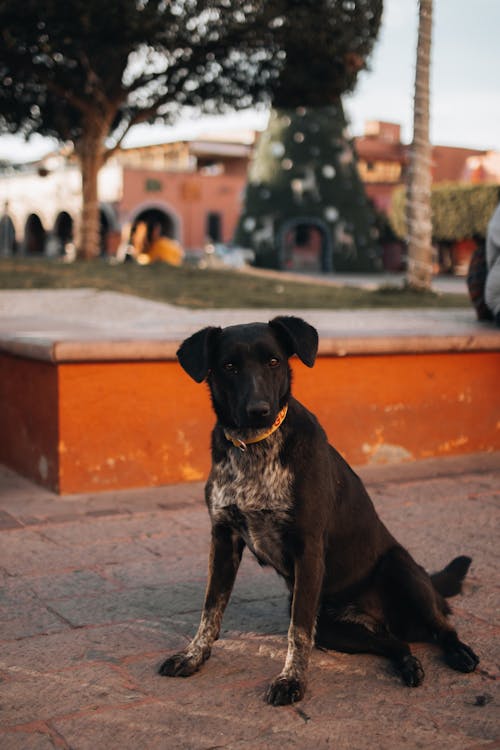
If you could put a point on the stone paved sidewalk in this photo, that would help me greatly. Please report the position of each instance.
(96, 589)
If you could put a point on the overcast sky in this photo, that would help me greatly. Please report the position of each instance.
(465, 77)
(465, 81)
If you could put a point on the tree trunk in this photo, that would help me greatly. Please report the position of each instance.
(419, 273)
(90, 154)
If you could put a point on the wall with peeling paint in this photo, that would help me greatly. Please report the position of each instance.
(29, 422)
(401, 407)
(78, 427)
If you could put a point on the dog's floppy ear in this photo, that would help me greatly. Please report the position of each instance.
(194, 352)
(299, 337)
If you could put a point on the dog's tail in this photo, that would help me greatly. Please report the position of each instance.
(448, 582)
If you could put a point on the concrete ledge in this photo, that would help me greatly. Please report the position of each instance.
(68, 346)
(85, 325)
(95, 403)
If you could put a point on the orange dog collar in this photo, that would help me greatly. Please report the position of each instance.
(242, 445)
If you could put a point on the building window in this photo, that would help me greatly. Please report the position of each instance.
(379, 171)
(209, 168)
(214, 226)
(153, 186)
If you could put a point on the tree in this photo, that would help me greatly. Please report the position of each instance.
(86, 71)
(459, 211)
(304, 166)
(419, 272)
(324, 45)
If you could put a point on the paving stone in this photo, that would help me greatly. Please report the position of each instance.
(162, 726)
(32, 619)
(112, 643)
(148, 601)
(66, 585)
(189, 540)
(353, 735)
(8, 522)
(22, 614)
(96, 590)
(34, 695)
(42, 554)
(467, 713)
(35, 740)
(80, 532)
(154, 571)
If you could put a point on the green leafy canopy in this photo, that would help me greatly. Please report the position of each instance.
(459, 211)
(68, 66)
(71, 65)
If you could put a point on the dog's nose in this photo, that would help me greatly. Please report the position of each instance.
(258, 409)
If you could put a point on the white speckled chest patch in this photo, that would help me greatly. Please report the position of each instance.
(252, 480)
(258, 484)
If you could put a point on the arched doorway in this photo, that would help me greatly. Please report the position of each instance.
(103, 232)
(7, 236)
(109, 230)
(155, 219)
(305, 245)
(63, 230)
(34, 236)
(63, 227)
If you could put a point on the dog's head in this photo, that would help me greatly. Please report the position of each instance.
(246, 367)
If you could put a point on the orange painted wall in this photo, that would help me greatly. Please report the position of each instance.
(127, 424)
(132, 424)
(403, 407)
(29, 419)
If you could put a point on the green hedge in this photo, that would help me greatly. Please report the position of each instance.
(458, 211)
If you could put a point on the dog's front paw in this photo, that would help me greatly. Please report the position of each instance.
(180, 665)
(461, 657)
(285, 690)
(411, 671)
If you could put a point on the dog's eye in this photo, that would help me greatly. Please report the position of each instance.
(229, 367)
(274, 362)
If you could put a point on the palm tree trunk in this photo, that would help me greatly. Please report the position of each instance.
(419, 273)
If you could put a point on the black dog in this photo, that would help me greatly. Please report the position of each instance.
(279, 488)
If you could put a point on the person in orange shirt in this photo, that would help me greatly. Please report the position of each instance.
(159, 248)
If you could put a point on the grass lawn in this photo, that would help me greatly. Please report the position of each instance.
(196, 288)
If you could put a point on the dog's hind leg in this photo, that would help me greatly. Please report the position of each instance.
(225, 556)
(356, 638)
(457, 654)
(415, 610)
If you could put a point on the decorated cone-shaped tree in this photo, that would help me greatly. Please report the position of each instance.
(305, 205)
